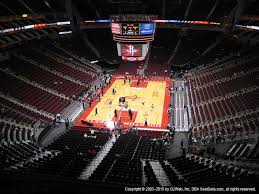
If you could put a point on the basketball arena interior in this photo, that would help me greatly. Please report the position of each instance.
(129, 96)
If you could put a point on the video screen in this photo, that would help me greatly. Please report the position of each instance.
(147, 28)
(131, 50)
(116, 28)
(130, 29)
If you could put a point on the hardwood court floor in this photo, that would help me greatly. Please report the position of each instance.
(148, 92)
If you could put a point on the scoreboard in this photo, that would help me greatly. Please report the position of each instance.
(133, 29)
(130, 29)
(133, 39)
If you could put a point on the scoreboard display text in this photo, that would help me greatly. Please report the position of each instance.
(130, 29)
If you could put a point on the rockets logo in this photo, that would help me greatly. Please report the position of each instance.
(131, 50)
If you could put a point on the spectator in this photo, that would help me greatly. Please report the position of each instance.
(145, 121)
(182, 143)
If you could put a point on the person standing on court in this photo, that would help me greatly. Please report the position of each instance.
(129, 112)
(96, 111)
(152, 107)
(115, 113)
(182, 143)
(145, 121)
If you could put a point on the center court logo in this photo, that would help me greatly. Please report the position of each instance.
(133, 98)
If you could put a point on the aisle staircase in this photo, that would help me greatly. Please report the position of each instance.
(86, 173)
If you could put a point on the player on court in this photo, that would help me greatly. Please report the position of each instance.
(152, 107)
(110, 103)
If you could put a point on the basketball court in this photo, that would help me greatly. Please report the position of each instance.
(148, 100)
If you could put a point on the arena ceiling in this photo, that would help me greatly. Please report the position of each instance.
(94, 9)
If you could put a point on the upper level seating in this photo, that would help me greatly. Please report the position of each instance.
(188, 50)
(195, 169)
(11, 132)
(77, 48)
(162, 70)
(225, 50)
(150, 175)
(31, 95)
(8, 113)
(217, 73)
(67, 55)
(202, 13)
(173, 177)
(128, 68)
(221, 10)
(59, 66)
(16, 152)
(158, 66)
(19, 113)
(69, 154)
(224, 99)
(243, 150)
(44, 77)
(75, 140)
(127, 163)
(122, 164)
(102, 40)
